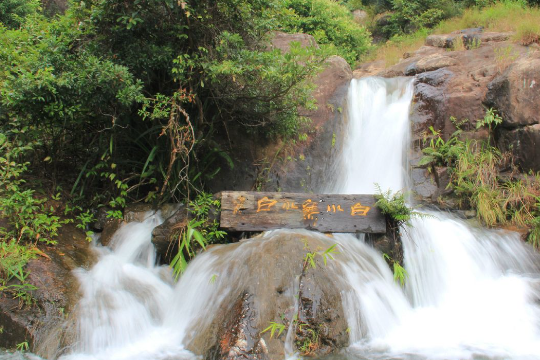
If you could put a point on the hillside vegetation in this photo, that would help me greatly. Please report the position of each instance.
(116, 101)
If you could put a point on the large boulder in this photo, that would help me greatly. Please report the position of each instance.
(44, 321)
(261, 289)
(516, 93)
(524, 143)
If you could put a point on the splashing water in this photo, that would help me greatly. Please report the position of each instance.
(470, 293)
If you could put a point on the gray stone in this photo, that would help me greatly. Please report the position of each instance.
(524, 143)
(515, 93)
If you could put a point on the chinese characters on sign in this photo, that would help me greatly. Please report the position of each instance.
(238, 203)
(359, 210)
(265, 204)
(310, 208)
(259, 211)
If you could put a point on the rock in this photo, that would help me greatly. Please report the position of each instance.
(138, 212)
(109, 228)
(162, 234)
(429, 107)
(495, 36)
(524, 143)
(282, 41)
(240, 338)
(360, 16)
(101, 219)
(430, 63)
(441, 41)
(424, 186)
(46, 322)
(264, 291)
(471, 38)
(516, 93)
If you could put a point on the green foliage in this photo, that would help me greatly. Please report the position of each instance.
(13, 12)
(439, 152)
(273, 328)
(400, 274)
(307, 340)
(310, 257)
(330, 23)
(189, 236)
(126, 98)
(474, 168)
(395, 207)
(199, 232)
(409, 16)
(28, 217)
(28, 221)
(534, 234)
(23, 346)
(13, 259)
(491, 120)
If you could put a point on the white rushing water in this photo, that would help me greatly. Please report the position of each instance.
(470, 293)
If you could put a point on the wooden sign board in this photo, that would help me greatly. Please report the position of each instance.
(258, 211)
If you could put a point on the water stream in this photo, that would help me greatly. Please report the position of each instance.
(470, 293)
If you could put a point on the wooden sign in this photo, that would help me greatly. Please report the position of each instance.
(258, 211)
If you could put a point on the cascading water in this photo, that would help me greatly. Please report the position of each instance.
(470, 293)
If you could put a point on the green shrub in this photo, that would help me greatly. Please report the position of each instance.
(410, 16)
(13, 12)
(330, 23)
(474, 168)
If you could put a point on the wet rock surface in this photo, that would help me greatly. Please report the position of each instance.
(45, 323)
(274, 277)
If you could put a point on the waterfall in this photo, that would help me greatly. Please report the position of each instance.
(471, 293)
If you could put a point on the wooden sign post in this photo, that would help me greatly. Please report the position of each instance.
(258, 211)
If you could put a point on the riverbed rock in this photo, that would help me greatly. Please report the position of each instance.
(430, 63)
(266, 291)
(44, 323)
(162, 234)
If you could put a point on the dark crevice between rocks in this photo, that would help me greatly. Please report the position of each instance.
(239, 337)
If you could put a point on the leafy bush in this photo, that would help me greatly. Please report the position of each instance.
(410, 16)
(395, 207)
(26, 220)
(77, 83)
(13, 12)
(330, 23)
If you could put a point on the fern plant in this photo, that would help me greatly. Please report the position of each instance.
(189, 236)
